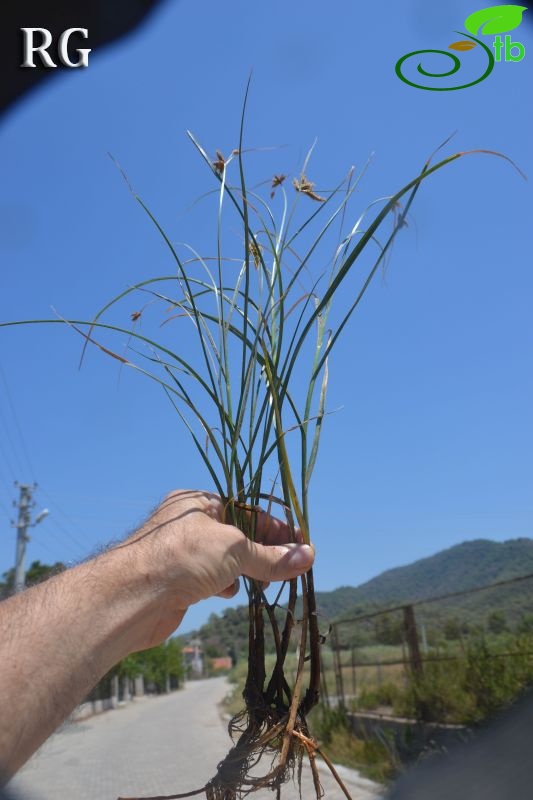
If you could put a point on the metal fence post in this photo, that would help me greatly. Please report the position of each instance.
(338, 669)
(411, 636)
(415, 659)
(354, 682)
(324, 688)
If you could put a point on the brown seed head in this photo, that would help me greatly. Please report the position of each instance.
(220, 162)
(302, 184)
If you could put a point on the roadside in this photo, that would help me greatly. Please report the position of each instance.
(158, 745)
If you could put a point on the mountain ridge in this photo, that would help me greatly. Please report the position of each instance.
(467, 565)
(446, 571)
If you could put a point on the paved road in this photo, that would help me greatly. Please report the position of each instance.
(152, 746)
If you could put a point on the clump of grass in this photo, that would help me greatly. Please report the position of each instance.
(386, 694)
(374, 758)
(471, 687)
(466, 686)
(251, 387)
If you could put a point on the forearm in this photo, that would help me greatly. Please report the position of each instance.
(57, 640)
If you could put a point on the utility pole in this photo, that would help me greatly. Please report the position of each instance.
(24, 522)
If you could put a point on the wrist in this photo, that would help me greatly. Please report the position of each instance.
(140, 605)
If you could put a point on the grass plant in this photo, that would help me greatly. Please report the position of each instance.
(242, 326)
(463, 686)
(375, 758)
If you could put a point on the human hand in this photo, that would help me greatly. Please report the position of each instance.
(185, 553)
(73, 628)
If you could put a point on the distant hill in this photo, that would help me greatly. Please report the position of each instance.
(464, 566)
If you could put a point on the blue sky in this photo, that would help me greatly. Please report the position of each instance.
(433, 443)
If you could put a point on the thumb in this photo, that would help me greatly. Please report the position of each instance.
(280, 563)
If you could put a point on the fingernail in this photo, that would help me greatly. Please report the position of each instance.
(301, 556)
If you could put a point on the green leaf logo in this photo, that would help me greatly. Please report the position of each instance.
(494, 19)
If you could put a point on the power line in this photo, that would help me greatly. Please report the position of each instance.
(6, 481)
(64, 545)
(66, 542)
(8, 485)
(62, 534)
(71, 540)
(5, 510)
(79, 542)
(47, 548)
(24, 450)
(64, 539)
(14, 454)
(66, 517)
(8, 463)
(134, 504)
(17, 424)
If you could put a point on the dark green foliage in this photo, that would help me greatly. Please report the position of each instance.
(525, 624)
(36, 573)
(497, 622)
(470, 687)
(160, 666)
(376, 759)
(156, 664)
(386, 694)
(389, 629)
(493, 682)
(326, 721)
(453, 629)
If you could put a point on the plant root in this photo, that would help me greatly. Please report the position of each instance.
(233, 780)
(273, 724)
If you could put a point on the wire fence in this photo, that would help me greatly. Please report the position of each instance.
(383, 652)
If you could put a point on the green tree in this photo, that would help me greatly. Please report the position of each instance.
(389, 630)
(525, 625)
(497, 622)
(36, 573)
(453, 629)
(158, 663)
